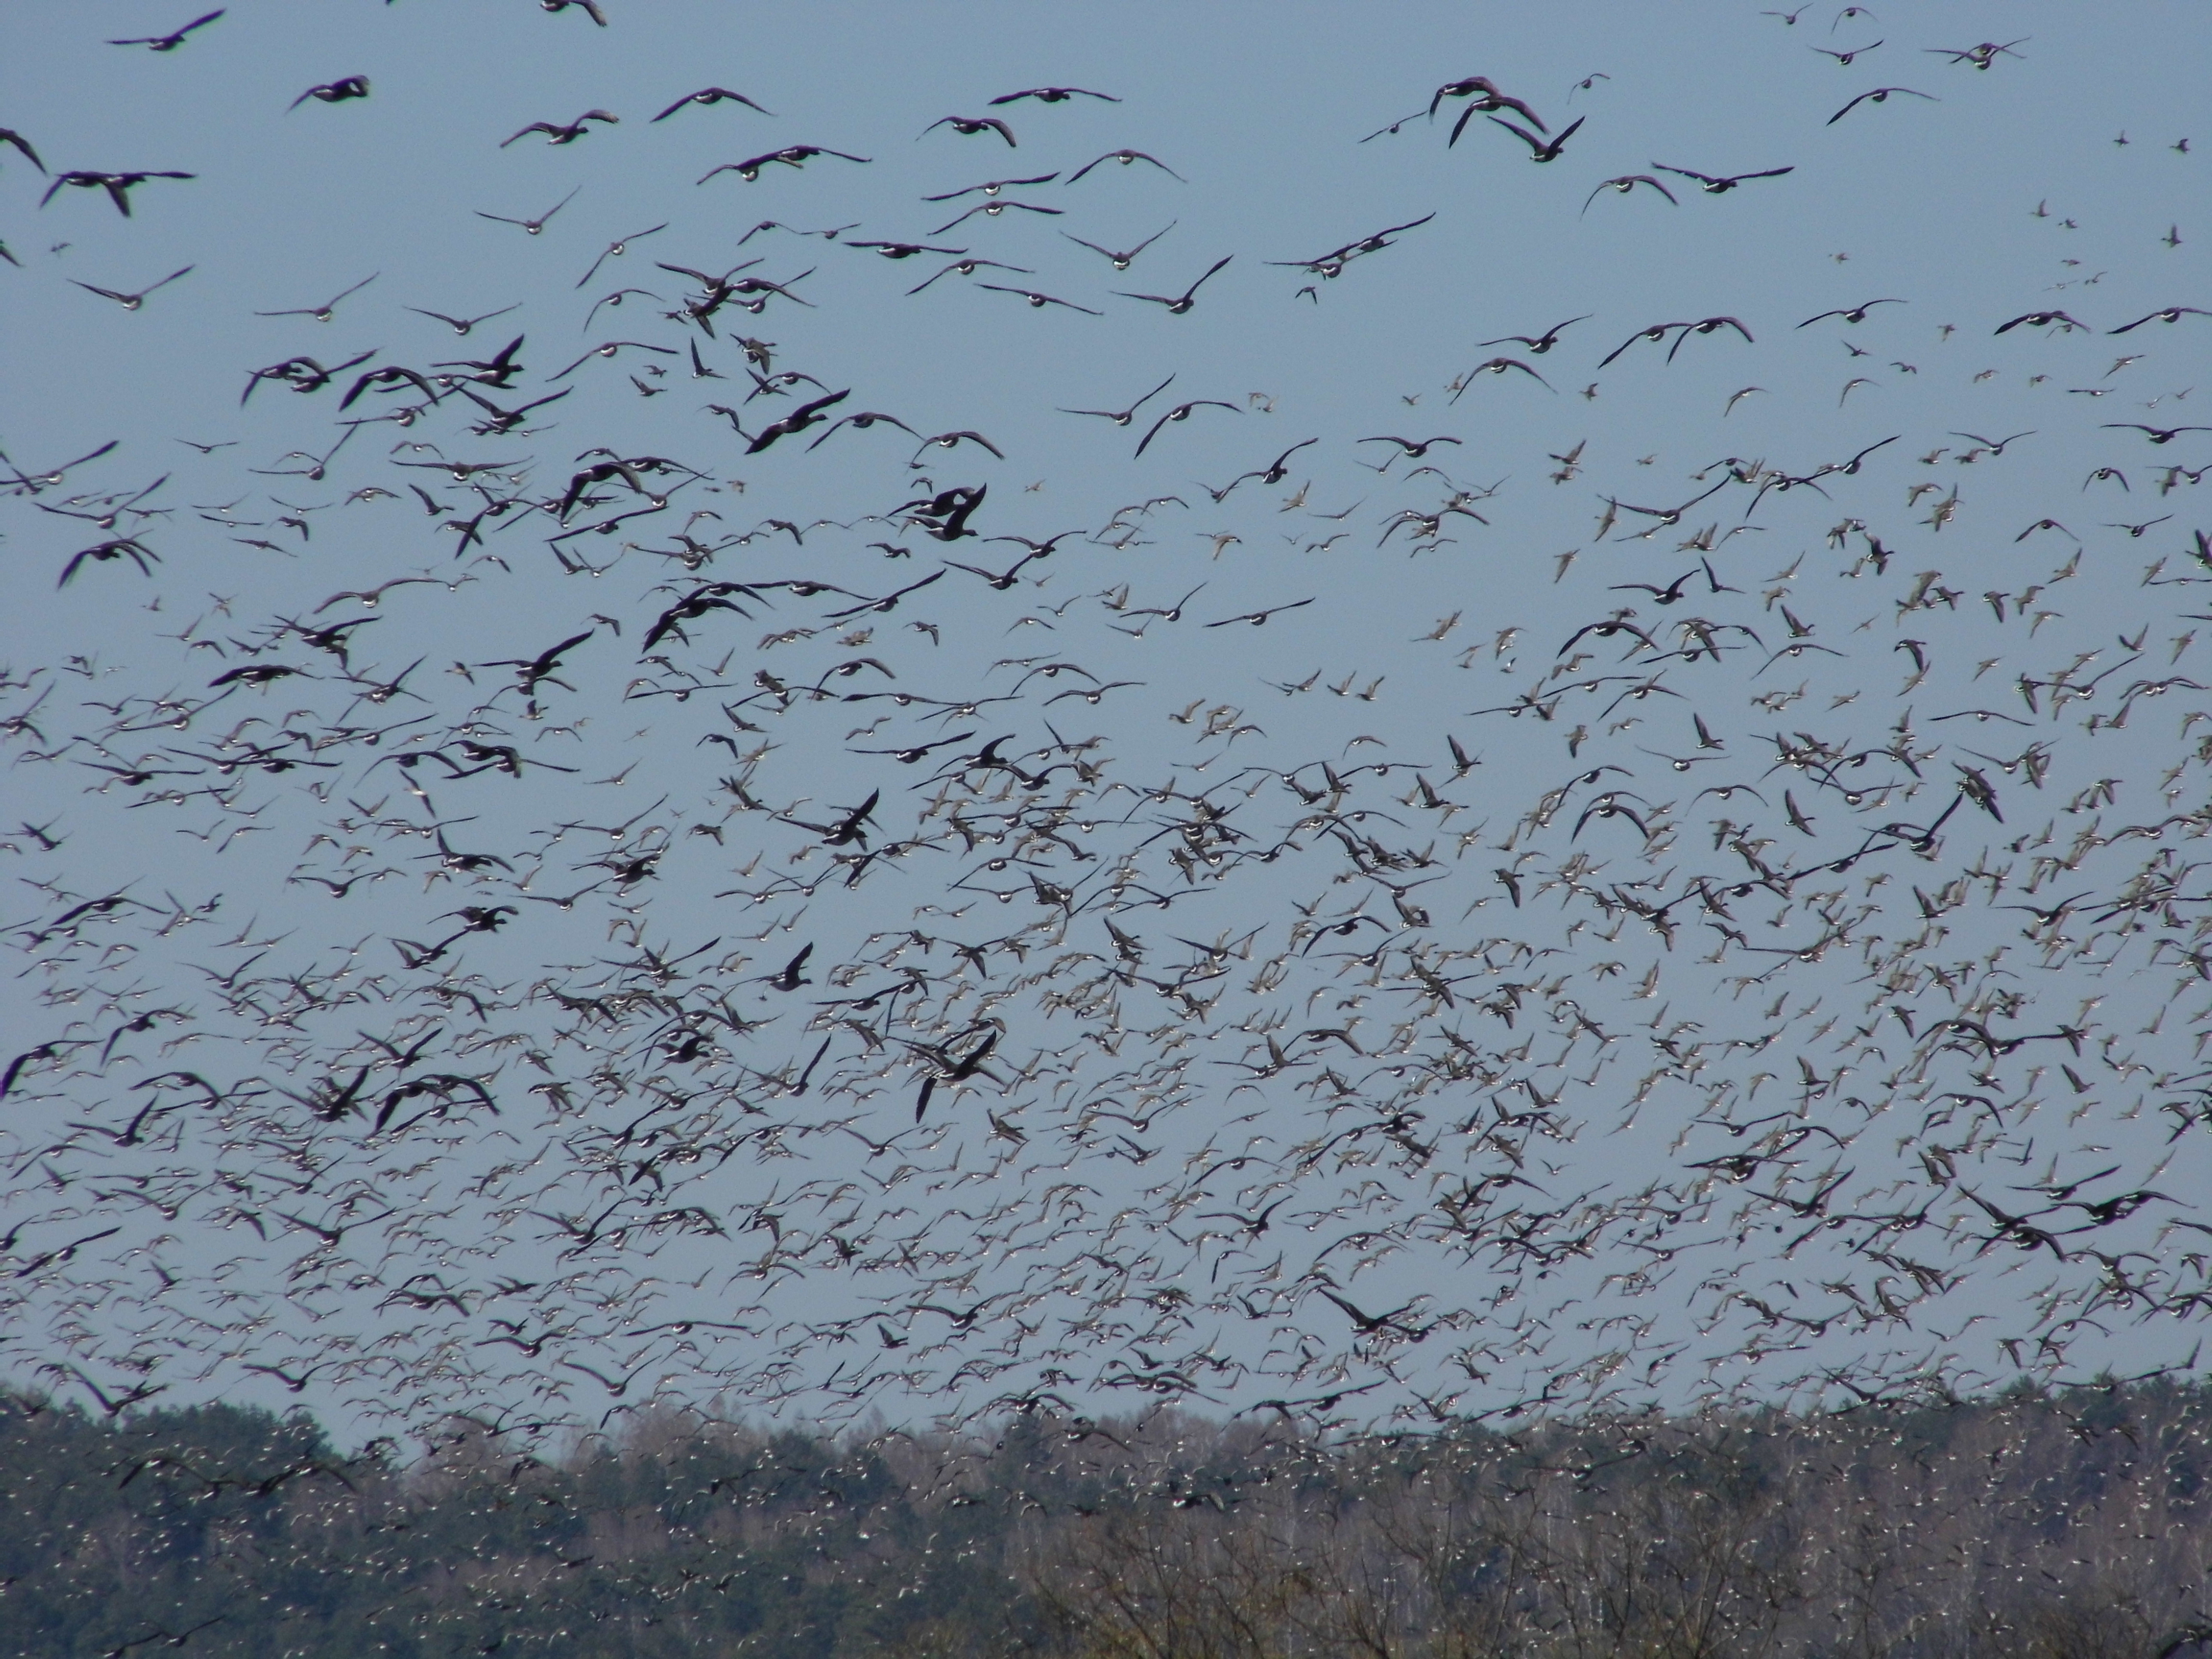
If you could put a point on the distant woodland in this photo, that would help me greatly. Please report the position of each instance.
(2070, 1526)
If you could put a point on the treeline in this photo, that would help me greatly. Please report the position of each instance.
(2069, 1525)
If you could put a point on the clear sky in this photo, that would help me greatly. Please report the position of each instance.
(1398, 1039)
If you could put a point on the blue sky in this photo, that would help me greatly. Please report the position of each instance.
(1102, 1274)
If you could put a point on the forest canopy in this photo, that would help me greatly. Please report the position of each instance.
(2034, 1526)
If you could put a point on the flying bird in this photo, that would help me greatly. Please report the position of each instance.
(1500, 366)
(991, 187)
(1052, 95)
(324, 312)
(1537, 345)
(2170, 314)
(1625, 183)
(903, 250)
(463, 325)
(558, 133)
(1857, 313)
(709, 95)
(1259, 617)
(173, 38)
(1183, 412)
(1124, 157)
(1487, 99)
(531, 226)
(118, 186)
(1039, 300)
(2158, 434)
(1879, 95)
(953, 439)
(1540, 149)
(791, 156)
(333, 92)
(1980, 56)
(1123, 417)
(860, 423)
(966, 268)
(132, 301)
(994, 209)
(123, 547)
(1123, 261)
(1412, 449)
(1178, 304)
(969, 126)
(1714, 184)
(9, 136)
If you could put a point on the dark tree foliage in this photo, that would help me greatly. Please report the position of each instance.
(2059, 1526)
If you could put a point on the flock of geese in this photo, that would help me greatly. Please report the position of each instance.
(660, 916)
